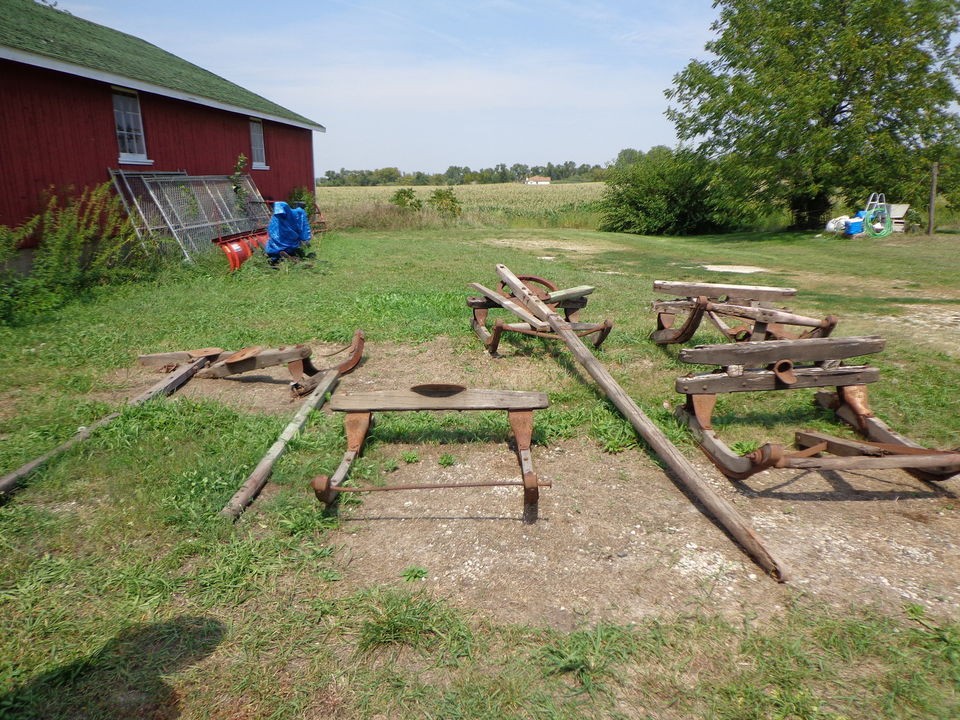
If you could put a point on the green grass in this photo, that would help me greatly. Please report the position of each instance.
(120, 589)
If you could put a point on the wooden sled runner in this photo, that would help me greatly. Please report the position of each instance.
(750, 306)
(804, 363)
(224, 363)
(359, 409)
(571, 301)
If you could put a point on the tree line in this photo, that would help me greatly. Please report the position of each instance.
(568, 171)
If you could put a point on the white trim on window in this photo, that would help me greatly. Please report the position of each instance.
(258, 153)
(131, 141)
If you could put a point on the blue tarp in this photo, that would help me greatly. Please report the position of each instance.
(288, 229)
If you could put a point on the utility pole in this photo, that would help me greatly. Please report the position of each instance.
(931, 213)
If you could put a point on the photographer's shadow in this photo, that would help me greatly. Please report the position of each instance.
(122, 679)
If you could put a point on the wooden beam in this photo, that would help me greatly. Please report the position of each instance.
(758, 380)
(261, 473)
(719, 290)
(765, 352)
(570, 293)
(510, 305)
(685, 472)
(263, 359)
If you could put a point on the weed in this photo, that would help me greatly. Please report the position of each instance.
(591, 656)
(410, 457)
(447, 460)
(392, 619)
(413, 573)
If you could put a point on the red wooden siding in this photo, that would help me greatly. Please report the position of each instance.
(58, 130)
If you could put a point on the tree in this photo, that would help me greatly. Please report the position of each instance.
(807, 99)
(665, 193)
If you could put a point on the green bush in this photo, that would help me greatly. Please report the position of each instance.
(666, 193)
(445, 202)
(83, 241)
(406, 198)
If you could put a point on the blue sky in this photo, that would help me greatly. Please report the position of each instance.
(425, 84)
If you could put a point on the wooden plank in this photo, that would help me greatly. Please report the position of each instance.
(570, 293)
(261, 473)
(760, 380)
(682, 468)
(765, 352)
(264, 359)
(401, 400)
(903, 462)
(719, 290)
(177, 358)
(510, 305)
(764, 315)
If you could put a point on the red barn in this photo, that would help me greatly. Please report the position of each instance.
(78, 98)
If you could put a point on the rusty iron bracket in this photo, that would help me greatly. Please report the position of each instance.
(359, 409)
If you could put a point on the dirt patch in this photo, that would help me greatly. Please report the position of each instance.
(615, 538)
(936, 326)
(594, 247)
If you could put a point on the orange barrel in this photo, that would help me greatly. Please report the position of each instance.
(237, 253)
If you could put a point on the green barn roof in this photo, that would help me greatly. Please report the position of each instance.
(41, 35)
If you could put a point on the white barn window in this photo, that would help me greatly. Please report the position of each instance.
(258, 154)
(130, 138)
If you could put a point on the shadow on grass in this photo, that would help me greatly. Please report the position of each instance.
(123, 678)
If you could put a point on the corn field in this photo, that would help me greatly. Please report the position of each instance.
(569, 205)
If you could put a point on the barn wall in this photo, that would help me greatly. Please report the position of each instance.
(58, 130)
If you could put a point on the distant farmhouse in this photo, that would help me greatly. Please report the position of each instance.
(538, 180)
(79, 98)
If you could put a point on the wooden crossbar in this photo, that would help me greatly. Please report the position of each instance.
(765, 352)
(718, 290)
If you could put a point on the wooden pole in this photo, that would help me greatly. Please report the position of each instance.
(261, 473)
(167, 386)
(719, 508)
(931, 210)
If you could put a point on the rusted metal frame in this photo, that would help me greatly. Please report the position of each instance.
(166, 386)
(714, 300)
(690, 478)
(666, 334)
(850, 405)
(311, 376)
(520, 416)
(521, 423)
(911, 457)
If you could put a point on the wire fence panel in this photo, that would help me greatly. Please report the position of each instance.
(196, 211)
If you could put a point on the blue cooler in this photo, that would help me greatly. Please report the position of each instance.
(854, 226)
